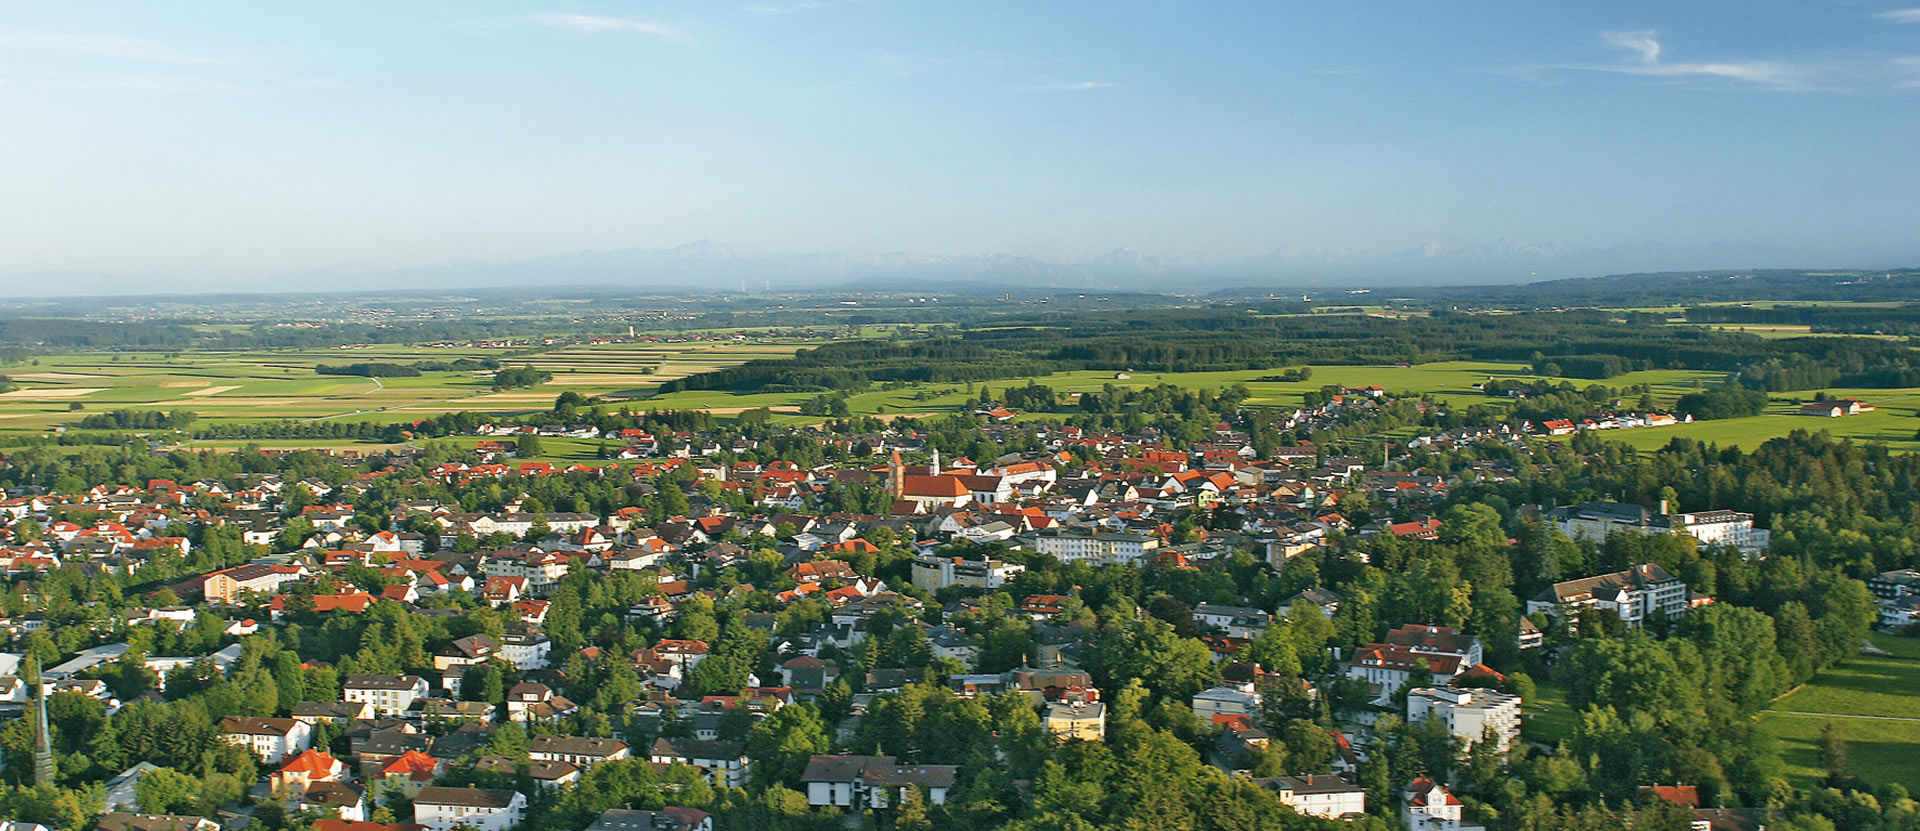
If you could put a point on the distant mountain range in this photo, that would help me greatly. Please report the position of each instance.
(706, 267)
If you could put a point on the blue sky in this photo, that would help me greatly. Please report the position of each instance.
(222, 143)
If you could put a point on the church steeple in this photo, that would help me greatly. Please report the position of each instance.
(42, 737)
(896, 476)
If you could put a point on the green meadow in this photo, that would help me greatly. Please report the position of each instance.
(1875, 700)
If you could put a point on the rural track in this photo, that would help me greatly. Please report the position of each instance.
(1842, 715)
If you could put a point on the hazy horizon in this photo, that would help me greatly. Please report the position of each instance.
(205, 147)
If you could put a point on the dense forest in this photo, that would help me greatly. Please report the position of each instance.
(1592, 345)
(1901, 319)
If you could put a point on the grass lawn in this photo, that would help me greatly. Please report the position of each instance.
(1901, 646)
(1862, 687)
(1878, 751)
(1882, 749)
(1548, 719)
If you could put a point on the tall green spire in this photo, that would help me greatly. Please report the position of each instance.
(42, 737)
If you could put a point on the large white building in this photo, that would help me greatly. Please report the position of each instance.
(1074, 545)
(518, 524)
(1597, 520)
(1468, 713)
(440, 809)
(1636, 595)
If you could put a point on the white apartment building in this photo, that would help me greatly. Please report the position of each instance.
(518, 524)
(541, 569)
(1597, 520)
(1468, 713)
(526, 650)
(933, 573)
(1635, 595)
(1073, 545)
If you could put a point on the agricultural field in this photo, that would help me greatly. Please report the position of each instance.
(271, 386)
(262, 386)
(1873, 699)
(1893, 421)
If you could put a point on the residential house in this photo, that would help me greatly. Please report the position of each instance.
(863, 782)
(530, 701)
(725, 761)
(272, 739)
(124, 821)
(336, 712)
(345, 800)
(1328, 797)
(1226, 700)
(482, 809)
(546, 775)
(579, 750)
(1067, 720)
(1326, 600)
(406, 775)
(386, 694)
(1234, 621)
(671, 818)
(1427, 806)
(465, 652)
(314, 765)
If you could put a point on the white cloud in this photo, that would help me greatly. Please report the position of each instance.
(104, 46)
(1649, 60)
(1901, 15)
(595, 25)
(763, 8)
(1908, 71)
(1072, 86)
